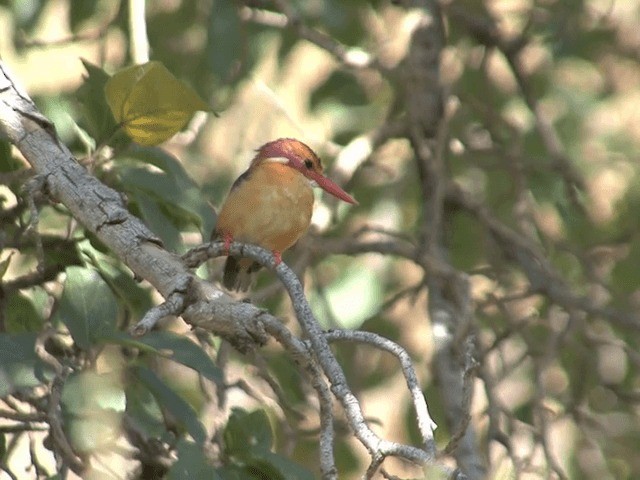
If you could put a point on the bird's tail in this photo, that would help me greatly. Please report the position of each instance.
(238, 273)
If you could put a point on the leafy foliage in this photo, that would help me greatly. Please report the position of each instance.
(540, 137)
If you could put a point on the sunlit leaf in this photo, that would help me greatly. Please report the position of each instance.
(349, 310)
(150, 103)
(92, 405)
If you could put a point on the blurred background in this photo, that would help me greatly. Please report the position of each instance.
(539, 133)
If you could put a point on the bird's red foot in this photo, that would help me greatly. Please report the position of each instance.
(277, 257)
(228, 238)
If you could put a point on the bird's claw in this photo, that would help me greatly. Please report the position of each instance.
(228, 238)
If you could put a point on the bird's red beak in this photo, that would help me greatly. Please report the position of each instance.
(330, 187)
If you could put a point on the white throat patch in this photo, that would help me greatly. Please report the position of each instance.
(283, 160)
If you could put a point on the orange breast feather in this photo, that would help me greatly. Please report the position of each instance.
(271, 207)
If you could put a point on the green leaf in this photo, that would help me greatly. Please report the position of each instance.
(160, 223)
(99, 391)
(175, 405)
(178, 348)
(97, 119)
(143, 410)
(187, 195)
(131, 294)
(192, 463)
(343, 88)
(354, 310)
(168, 201)
(19, 365)
(150, 103)
(289, 377)
(21, 314)
(159, 186)
(87, 307)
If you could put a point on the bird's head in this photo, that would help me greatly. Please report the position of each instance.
(295, 154)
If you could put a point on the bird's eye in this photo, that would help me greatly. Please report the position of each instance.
(308, 163)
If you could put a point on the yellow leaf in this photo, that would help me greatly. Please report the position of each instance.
(150, 103)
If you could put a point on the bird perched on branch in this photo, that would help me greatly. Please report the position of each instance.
(270, 204)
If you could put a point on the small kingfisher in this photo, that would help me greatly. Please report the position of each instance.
(270, 204)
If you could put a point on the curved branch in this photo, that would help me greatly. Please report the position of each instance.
(426, 425)
(378, 448)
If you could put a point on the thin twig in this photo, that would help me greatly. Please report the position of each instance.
(173, 305)
(426, 425)
(350, 57)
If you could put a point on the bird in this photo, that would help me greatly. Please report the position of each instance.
(270, 205)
